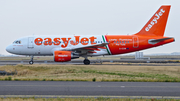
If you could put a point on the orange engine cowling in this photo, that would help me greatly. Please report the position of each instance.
(62, 56)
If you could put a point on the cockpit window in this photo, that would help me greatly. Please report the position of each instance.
(17, 42)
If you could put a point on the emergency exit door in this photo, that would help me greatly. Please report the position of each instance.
(135, 42)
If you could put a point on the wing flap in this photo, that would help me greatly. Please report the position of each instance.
(91, 48)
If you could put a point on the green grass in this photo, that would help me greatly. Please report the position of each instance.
(95, 73)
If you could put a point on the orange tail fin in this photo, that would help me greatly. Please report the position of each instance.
(157, 24)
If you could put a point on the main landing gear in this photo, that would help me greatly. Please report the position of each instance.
(86, 62)
(31, 61)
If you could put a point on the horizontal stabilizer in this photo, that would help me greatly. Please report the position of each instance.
(158, 40)
(154, 41)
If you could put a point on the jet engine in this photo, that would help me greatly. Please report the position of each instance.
(63, 56)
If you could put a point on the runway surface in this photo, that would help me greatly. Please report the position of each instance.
(59, 88)
(80, 62)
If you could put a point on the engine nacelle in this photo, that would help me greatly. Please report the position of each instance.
(63, 56)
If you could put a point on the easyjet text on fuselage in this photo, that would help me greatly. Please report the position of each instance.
(65, 41)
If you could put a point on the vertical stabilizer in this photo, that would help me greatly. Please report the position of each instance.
(157, 24)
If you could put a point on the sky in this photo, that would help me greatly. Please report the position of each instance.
(19, 18)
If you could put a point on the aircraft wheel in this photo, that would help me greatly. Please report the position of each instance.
(86, 62)
(31, 62)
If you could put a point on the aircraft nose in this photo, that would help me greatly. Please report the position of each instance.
(8, 48)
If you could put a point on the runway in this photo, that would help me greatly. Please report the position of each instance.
(96, 89)
(80, 62)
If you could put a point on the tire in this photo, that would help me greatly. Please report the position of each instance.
(31, 62)
(86, 62)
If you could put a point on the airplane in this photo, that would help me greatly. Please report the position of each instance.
(65, 48)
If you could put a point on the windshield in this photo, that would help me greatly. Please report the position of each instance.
(17, 42)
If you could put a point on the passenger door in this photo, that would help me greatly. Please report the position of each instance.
(30, 42)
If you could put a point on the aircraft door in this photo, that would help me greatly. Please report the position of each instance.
(30, 42)
(135, 42)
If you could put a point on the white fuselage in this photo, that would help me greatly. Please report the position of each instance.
(27, 45)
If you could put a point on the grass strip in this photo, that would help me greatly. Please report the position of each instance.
(95, 73)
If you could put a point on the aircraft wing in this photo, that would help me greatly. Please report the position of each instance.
(87, 49)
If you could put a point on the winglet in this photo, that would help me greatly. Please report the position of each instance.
(157, 24)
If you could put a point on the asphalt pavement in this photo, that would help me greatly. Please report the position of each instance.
(79, 89)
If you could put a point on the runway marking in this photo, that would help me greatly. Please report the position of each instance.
(89, 86)
(72, 96)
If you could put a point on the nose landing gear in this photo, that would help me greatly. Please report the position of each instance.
(31, 61)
